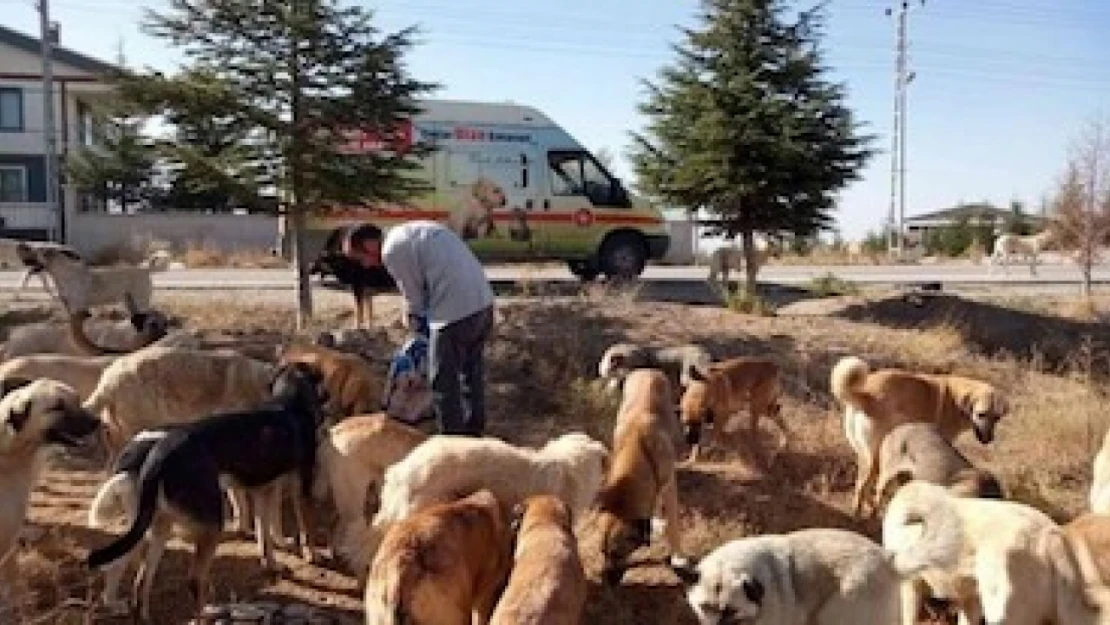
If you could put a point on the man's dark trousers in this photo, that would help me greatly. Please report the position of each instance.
(455, 364)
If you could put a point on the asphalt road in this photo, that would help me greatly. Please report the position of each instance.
(1049, 277)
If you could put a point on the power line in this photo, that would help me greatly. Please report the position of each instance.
(902, 78)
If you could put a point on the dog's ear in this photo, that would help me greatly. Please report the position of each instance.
(753, 590)
(8, 385)
(698, 374)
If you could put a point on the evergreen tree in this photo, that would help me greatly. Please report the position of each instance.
(118, 169)
(746, 125)
(294, 77)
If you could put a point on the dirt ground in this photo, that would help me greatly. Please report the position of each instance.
(541, 369)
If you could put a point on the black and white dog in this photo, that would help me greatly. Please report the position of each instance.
(172, 476)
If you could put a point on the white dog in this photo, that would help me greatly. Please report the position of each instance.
(16, 253)
(1001, 561)
(80, 287)
(811, 577)
(1029, 247)
(445, 467)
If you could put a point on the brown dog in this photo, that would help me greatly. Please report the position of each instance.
(443, 565)
(642, 476)
(353, 457)
(353, 386)
(875, 402)
(1094, 530)
(547, 585)
(715, 394)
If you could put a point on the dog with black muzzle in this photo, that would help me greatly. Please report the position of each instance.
(36, 417)
(875, 402)
(641, 478)
(171, 476)
(721, 390)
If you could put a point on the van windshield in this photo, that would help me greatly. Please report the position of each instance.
(578, 173)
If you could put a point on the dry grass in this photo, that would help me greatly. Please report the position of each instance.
(203, 256)
(540, 373)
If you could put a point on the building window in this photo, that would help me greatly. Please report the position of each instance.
(11, 109)
(13, 183)
(84, 124)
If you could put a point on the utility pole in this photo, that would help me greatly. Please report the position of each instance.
(49, 35)
(896, 221)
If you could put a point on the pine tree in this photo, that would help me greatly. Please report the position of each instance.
(118, 169)
(294, 77)
(746, 125)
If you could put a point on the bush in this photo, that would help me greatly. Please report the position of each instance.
(831, 285)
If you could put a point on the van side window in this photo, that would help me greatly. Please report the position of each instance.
(576, 173)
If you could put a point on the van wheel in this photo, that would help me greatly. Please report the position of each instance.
(623, 256)
(585, 270)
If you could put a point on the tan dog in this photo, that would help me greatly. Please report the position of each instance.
(353, 458)
(473, 217)
(353, 386)
(81, 373)
(81, 287)
(641, 479)
(442, 566)
(136, 332)
(917, 451)
(547, 585)
(1094, 531)
(1001, 561)
(1099, 496)
(715, 396)
(35, 417)
(875, 402)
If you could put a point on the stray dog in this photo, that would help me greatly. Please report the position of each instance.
(724, 259)
(547, 585)
(641, 479)
(81, 287)
(715, 395)
(442, 566)
(677, 362)
(1094, 531)
(917, 451)
(138, 330)
(875, 402)
(364, 282)
(14, 252)
(353, 458)
(352, 384)
(812, 576)
(1099, 496)
(35, 417)
(1001, 561)
(570, 467)
(473, 217)
(81, 373)
(171, 477)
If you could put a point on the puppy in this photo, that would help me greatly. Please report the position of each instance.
(473, 217)
(812, 576)
(81, 373)
(677, 362)
(1099, 496)
(570, 467)
(35, 418)
(364, 282)
(875, 402)
(917, 451)
(1001, 561)
(442, 566)
(171, 477)
(81, 287)
(715, 395)
(353, 385)
(353, 458)
(547, 585)
(642, 477)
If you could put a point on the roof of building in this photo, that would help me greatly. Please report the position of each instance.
(969, 211)
(33, 45)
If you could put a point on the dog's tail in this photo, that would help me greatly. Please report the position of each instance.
(116, 499)
(149, 485)
(922, 529)
(846, 381)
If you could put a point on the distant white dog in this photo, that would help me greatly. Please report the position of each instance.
(1028, 247)
(725, 259)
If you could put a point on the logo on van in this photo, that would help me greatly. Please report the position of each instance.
(584, 218)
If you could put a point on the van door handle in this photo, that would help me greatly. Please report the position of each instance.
(547, 205)
(528, 204)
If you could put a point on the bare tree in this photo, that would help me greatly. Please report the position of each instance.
(1082, 201)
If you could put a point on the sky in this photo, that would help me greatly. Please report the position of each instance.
(1001, 87)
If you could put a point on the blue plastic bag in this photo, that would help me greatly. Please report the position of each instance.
(411, 357)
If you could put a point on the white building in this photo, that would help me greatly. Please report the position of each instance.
(78, 83)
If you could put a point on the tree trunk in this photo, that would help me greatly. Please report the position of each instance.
(294, 162)
(300, 263)
(751, 262)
